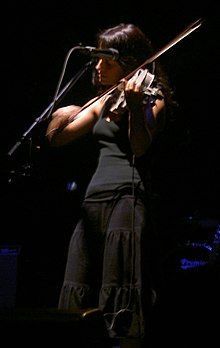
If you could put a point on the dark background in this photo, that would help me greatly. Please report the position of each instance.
(38, 210)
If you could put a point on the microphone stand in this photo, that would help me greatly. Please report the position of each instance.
(47, 112)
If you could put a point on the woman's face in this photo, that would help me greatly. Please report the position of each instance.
(109, 72)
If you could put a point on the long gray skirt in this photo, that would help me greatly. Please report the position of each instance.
(109, 264)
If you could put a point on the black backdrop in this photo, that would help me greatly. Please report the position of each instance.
(38, 209)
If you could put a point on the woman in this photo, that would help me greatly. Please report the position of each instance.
(109, 261)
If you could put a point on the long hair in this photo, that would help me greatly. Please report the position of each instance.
(132, 44)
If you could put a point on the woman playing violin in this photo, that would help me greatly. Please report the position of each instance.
(109, 263)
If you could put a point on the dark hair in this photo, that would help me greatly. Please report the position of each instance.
(133, 45)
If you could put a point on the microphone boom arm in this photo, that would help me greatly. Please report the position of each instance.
(46, 113)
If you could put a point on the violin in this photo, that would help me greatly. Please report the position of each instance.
(143, 78)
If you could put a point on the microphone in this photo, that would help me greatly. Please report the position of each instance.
(100, 53)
